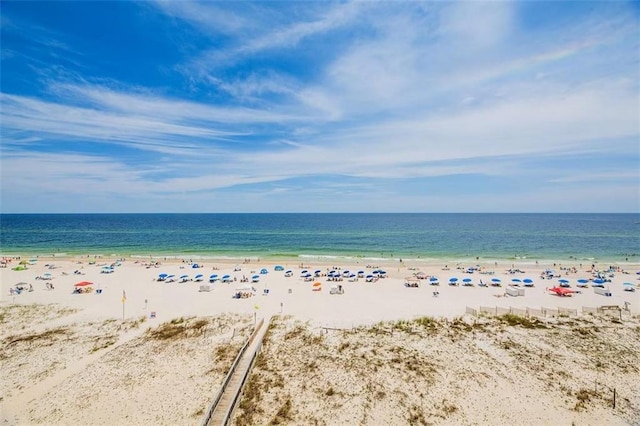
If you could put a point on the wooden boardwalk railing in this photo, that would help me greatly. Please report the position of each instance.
(223, 404)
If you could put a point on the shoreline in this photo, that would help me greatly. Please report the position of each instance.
(321, 258)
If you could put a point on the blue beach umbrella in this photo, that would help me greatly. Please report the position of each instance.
(583, 281)
(163, 275)
(527, 281)
(467, 280)
(496, 280)
(184, 276)
(453, 280)
(516, 280)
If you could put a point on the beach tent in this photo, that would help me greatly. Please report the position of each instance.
(264, 271)
(83, 287)
(19, 268)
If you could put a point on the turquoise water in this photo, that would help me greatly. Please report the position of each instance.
(411, 236)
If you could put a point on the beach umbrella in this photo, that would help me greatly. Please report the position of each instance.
(598, 281)
(264, 271)
(184, 276)
(83, 283)
(197, 277)
(317, 284)
(516, 280)
(583, 281)
(527, 281)
(496, 280)
(304, 271)
(163, 275)
(467, 280)
(453, 280)
(433, 279)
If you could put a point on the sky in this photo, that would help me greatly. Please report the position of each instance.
(314, 106)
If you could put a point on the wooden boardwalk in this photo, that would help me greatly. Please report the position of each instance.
(223, 405)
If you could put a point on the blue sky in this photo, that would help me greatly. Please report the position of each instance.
(320, 106)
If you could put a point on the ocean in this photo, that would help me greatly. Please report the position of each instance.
(557, 237)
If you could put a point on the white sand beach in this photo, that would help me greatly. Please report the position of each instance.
(100, 364)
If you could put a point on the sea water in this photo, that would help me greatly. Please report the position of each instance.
(526, 237)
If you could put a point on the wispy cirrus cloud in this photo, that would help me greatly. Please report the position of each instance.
(376, 101)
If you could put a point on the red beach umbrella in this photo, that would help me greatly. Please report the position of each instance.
(83, 283)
